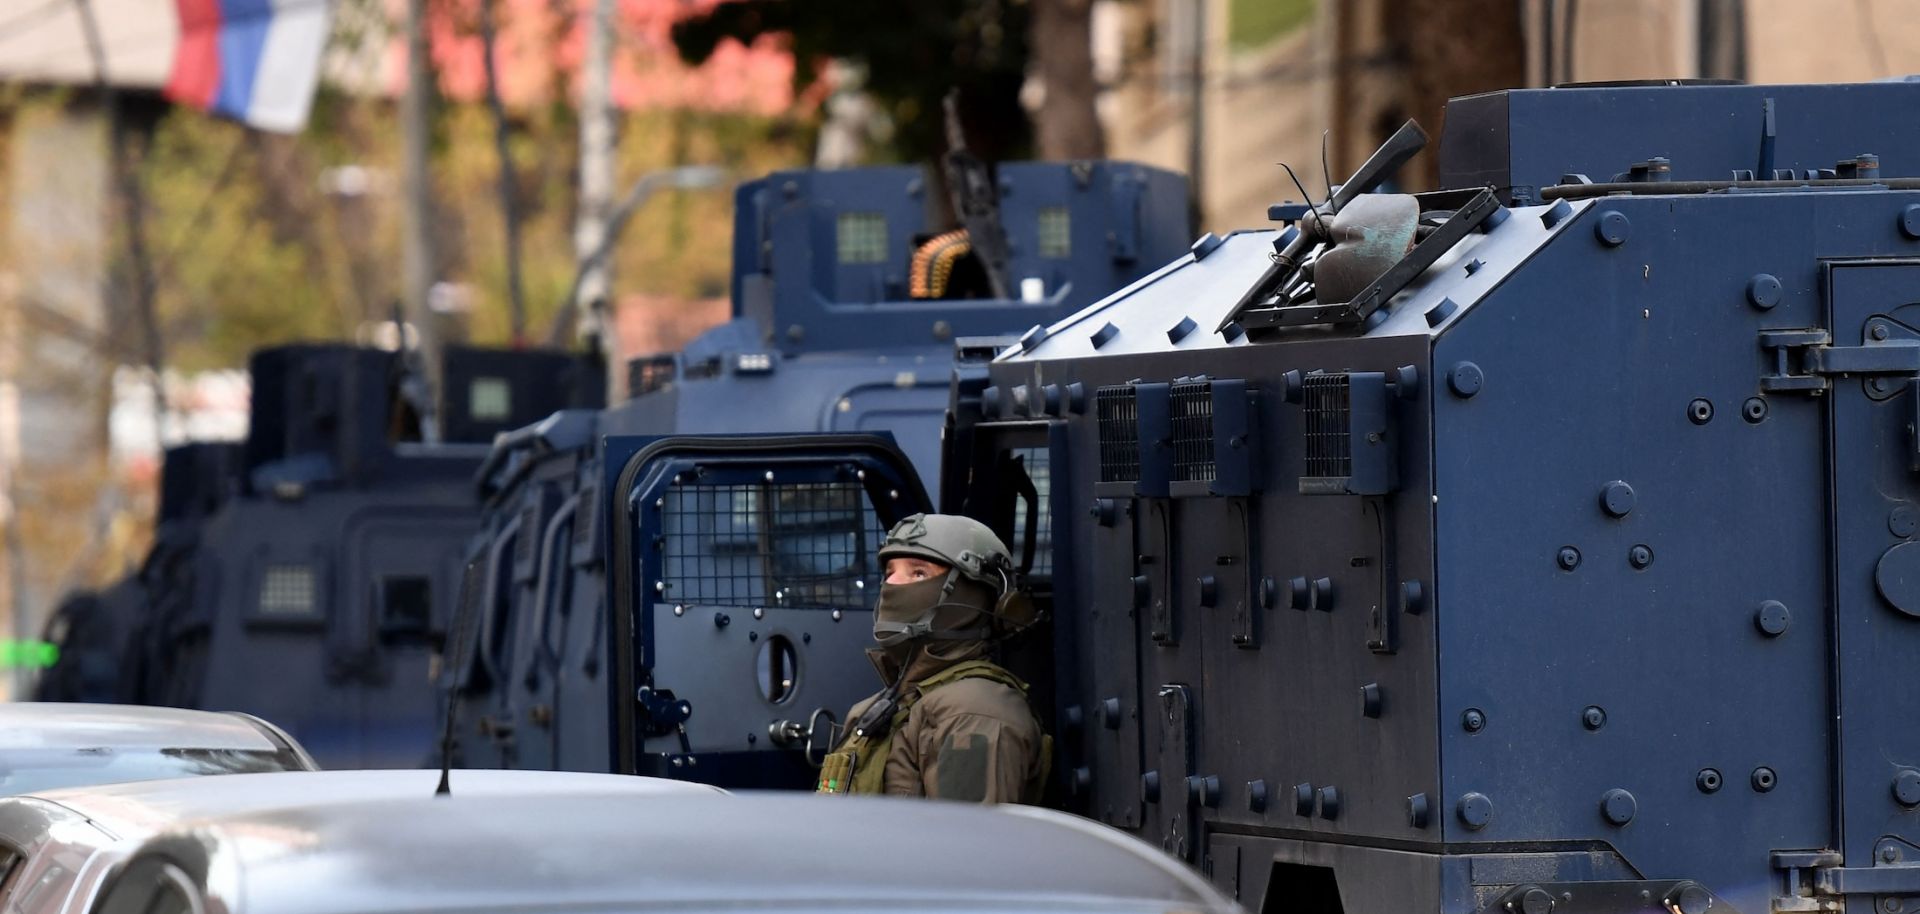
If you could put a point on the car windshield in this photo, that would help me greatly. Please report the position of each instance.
(36, 770)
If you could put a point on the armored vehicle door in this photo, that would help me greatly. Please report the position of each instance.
(1872, 365)
(1011, 473)
(741, 585)
(405, 568)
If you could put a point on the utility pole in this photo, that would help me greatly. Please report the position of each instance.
(417, 248)
(596, 192)
(509, 213)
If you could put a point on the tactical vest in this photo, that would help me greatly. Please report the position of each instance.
(860, 764)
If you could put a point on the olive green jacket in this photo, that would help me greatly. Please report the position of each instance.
(974, 739)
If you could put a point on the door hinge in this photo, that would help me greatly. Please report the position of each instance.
(1806, 360)
(1817, 881)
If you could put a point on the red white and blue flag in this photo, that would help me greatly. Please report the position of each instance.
(256, 61)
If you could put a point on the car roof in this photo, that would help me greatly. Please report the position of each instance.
(472, 852)
(58, 725)
(140, 808)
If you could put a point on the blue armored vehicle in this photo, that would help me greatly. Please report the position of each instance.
(307, 575)
(677, 585)
(1546, 543)
(100, 634)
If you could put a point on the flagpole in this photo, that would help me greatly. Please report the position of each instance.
(596, 193)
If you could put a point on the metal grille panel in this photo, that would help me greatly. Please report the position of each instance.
(1192, 407)
(1056, 232)
(287, 591)
(1329, 423)
(771, 544)
(490, 399)
(862, 237)
(1117, 416)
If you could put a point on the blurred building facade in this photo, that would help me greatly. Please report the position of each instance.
(1278, 74)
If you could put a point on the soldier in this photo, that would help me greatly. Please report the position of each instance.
(951, 724)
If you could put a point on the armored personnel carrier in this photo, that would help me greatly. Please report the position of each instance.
(100, 635)
(708, 545)
(1542, 544)
(307, 575)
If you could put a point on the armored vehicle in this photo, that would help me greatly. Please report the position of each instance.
(1542, 544)
(98, 634)
(308, 576)
(669, 549)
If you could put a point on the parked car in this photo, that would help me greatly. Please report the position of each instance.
(59, 847)
(569, 843)
(50, 745)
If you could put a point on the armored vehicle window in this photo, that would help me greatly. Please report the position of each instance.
(795, 544)
(862, 237)
(490, 399)
(1033, 461)
(406, 609)
(1056, 232)
(287, 592)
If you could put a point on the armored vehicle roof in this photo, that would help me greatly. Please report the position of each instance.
(1521, 140)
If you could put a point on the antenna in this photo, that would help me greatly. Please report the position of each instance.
(1312, 207)
(446, 746)
(1326, 171)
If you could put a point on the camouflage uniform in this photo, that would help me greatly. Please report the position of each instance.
(956, 726)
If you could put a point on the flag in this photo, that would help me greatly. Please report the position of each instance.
(256, 61)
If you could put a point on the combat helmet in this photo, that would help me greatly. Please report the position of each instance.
(972, 551)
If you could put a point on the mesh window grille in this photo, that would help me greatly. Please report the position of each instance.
(794, 544)
(1329, 418)
(1035, 461)
(1056, 232)
(862, 237)
(1117, 418)
(490, 399)
(1192, 406)
(287, 591)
